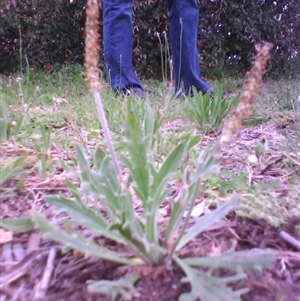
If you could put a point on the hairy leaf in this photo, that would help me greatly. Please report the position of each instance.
(138, 163)
(245, 260)
(206, 287)
(76, 242)
(84, 215)
(20, 225)
(204, 222)
(11, 169)
(113, 289)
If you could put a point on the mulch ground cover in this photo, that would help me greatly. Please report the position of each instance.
(70, 271)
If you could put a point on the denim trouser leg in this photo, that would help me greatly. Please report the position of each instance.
(117, 40)
(184, 17)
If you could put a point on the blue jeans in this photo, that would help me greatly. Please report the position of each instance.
(117, 40)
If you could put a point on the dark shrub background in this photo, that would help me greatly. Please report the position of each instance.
(50, 34)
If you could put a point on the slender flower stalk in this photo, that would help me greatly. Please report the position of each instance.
(91, 58)
(250, 91)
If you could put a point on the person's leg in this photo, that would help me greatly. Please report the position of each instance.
(184, 17)
(117, 40)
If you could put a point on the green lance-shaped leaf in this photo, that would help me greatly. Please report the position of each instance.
(169, 166)
(112, 289)
(16, 129)
(193, 140)
(138, 163)
(109, 186)
(76, 242)
(20, 225)
(85, 216)
(102, 182)
(206, 221)
(254, 259)
(133, 232)
(149, 121)
(98, 158)
(206, 287)
(5, 122)
(4, 129)
(208, 162)
(158, 190)
(11, 169)
(46, 136)
(187, 199)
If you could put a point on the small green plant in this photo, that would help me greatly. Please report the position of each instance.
(5, 123)
(7, 129)
(104, 204)
(292, 146)
(209, 111)
(11, 169)
(142, 233)
(295, 104)
(165, 58)
(43, 149)
(11, 166)
(147, 183)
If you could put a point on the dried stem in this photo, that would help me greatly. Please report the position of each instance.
(44, 284)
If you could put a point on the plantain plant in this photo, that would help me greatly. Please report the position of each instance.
(150, 182)
(141, 232)
(105, 202)
(208, 111)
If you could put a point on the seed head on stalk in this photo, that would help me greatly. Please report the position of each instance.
(250, 91)
(92, 47)
(91, 57)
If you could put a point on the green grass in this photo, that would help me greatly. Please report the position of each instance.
(59, 101)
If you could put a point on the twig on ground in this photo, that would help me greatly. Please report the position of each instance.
(19, 269)
(290, 240)
(44, 284)
(293, 160)
(270, 165)
(250, 173)
(288, 254)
